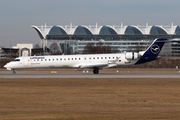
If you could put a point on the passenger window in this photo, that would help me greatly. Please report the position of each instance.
(75, 58)
(57, 59)
(79, 58)
(72, 58)
(97, 57)
(68, 58)
(45, 59)
(49, 59)
(109, 57)
(93, 57)
(64, 58)
(113, 57)
(101, 57)
(105, 57)
(60, 58)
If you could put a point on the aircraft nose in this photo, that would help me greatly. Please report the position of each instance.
(7, 65)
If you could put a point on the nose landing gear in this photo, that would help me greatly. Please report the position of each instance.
(14, 72)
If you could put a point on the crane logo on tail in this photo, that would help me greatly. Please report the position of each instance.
(155, 49)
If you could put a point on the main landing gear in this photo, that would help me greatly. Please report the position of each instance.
(96, 70)
(14, 72)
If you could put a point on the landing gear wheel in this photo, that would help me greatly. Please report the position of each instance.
(14, 72)
(96, 71)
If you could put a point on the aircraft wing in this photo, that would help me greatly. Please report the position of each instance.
(98, 65)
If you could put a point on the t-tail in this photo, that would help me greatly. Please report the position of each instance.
(153, 51)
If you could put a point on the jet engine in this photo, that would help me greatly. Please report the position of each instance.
(132, 55)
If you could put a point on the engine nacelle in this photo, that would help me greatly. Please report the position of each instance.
(132, 55)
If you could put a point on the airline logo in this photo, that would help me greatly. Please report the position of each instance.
(155, 49)
(118, 60)
(37, 57)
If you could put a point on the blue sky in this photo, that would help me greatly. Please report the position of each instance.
(17, 16)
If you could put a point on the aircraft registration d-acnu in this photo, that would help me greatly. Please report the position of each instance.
(93, 62)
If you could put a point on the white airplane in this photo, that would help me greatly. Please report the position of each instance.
(93, 62)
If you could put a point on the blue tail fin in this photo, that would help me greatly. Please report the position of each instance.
(153, 51)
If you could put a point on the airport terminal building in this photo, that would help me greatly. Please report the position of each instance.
(122, 37)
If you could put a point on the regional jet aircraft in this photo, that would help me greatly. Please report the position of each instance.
(93, 62)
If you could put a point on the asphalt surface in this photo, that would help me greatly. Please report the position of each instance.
(80, 74)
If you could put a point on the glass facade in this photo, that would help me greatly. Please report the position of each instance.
(56, 30)
(177, 31)
(106, 30)
(155, 30)
(81, 30)
(130, 30)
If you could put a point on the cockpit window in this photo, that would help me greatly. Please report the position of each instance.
(15, 60)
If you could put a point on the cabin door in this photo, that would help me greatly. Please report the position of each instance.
(26, 61)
